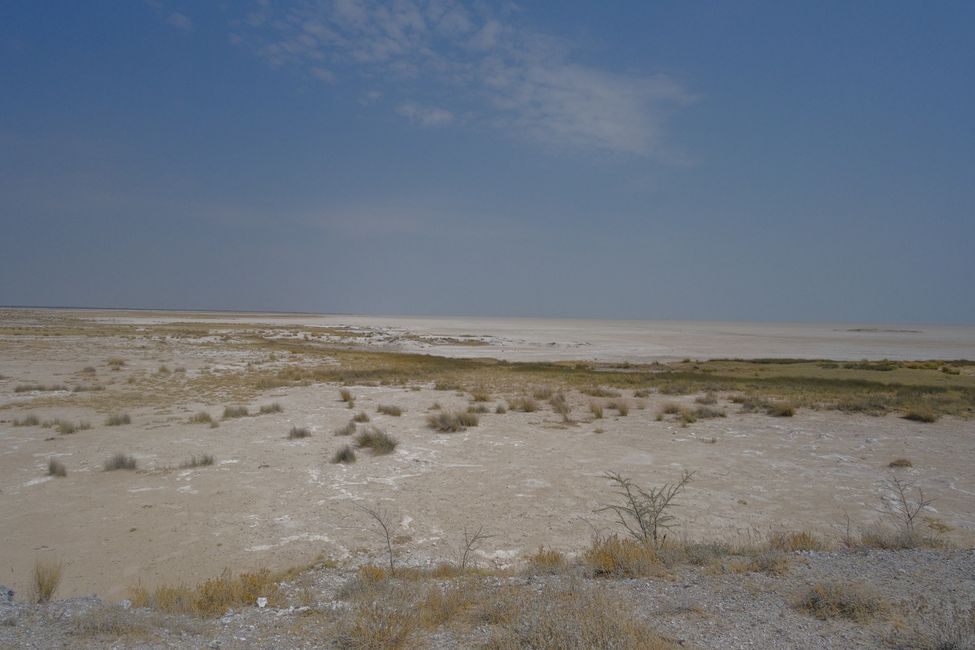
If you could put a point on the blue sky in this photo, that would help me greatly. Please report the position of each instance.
(669, 160)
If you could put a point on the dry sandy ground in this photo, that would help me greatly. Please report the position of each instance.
(527, 478)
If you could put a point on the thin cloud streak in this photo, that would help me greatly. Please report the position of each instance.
(480, 64)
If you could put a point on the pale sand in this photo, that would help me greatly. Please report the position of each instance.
(527, 478)
(521, 339)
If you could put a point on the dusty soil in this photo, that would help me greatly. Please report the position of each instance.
(528, 478)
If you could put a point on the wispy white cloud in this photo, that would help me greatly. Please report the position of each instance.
(470, 60)
(425, 115)
(180, 21)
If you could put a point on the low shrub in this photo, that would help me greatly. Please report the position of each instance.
(345, 454)
(56, 468)
(377, 440)
(204, 460)
(618, 557)
(267, 409)
(201, 417)
(120, 461)
(386, 409)
(361, 416)
(235, 412)
(118, 420)
(841, 600)
(297, 433)
(451, 422)
(347, 430)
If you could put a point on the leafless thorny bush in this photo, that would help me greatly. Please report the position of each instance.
(645, 513)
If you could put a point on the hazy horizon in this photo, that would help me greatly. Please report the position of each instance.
(670, 161)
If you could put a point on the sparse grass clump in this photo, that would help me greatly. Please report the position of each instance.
(570, 618)
(116, 363)
(204, 460)
(560, 406)
(46, 579)
(387, 409)
(231, 412)
(273, 407)
(543, 392)
(28, 421)
(120, 461)
(377, 440)
(480, 395)
(345, 454)
(118, 420)
(64, 427)
(297, 433)
(451, 422)
(900, 462)
(599, 391)
(201, 417)
(212, 597)
(621, 406)
(347, 430)
(781, 410)
(30, 388)
(796, 541)
(618, 557)
(525, 404)
(597, 410)
(345, 395)
(921, 414)
(708, 399)
(478, 409)
(501, 409)
(841, 600)
(361, 416)
(545, 562)
(56, 468)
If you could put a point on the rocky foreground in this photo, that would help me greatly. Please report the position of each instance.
(865, 599)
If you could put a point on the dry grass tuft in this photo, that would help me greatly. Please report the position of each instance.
(204, 460)
(118, 420)
(842, 600)
(451, 422)
(617, 557)
(298, 433)
(781, 410)
(708, 399)
(346, 396)
(386, 409)
(235, 412)
(900, 462)
(361, 416)
(45, 580)
(480, 395)
(921, 414)
(120, 461)
(377, 440)
(56, 468)
(201, 417)
(525, 404)
(28, 421)
(543, 392)
(347, 430)
(345, 454)
(621, 406)
(267, 409)
(214, 596)
(574, 618)
(501, 409)
(796, 541)
(597, 410)
(545, 562)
